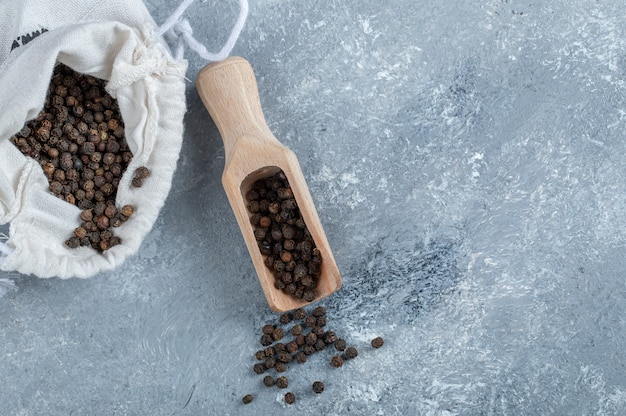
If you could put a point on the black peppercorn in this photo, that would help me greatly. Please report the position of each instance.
(285, 318)
(280, 367)
(270, 363)
(300, 340)
(284, 357)
(296, 330)
(307, 281)
(127, 210)
(300, 357)
(292, 347)
(351, 353)
(290, 398)
(310, 321)
(268, 381)
(309, 295)
(266, 340)
(247, 399)
(136, 183)
(319, 311)
(340, 344)
(282, 382)
(320, 344)
(80, 232)
(310, 338)
(86, 215)
(318, 387)
(260, 355)
(377, 342)
(291, 288)
(73, 242)
(299, 271)
(299, 314)
(259, 368)
(318, 330)
(265, 222)
(336, 361)
(330, 337)
(277, 334)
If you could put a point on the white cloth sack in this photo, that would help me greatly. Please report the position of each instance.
(113, 40)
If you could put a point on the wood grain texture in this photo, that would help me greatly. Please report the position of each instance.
(229, 92)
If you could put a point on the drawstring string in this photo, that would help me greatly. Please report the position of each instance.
(177, 30)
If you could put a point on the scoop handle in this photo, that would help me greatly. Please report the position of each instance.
(229, 91)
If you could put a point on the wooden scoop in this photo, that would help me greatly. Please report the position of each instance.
(229, 91)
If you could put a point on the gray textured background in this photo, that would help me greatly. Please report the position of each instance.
(467, 162)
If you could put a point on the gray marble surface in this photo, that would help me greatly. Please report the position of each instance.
(467, 162)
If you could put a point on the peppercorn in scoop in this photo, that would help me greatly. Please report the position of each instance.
(283, 237)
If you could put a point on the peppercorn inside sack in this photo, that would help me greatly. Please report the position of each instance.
(113, 41)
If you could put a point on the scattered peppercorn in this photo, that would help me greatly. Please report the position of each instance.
(299, 314)
(330, 337)
(266, 340)
(319, 311)
(277, 354)
(270, 363)
(318, 330)
(247, 399)
(285, 318)
(377, 342)
(351, 353)
(300, 340)
(310, 321)
(282, 382)
(278, 334)
(284, 357)
(318, 387)
(268, 381)
(310, 338)
(296, 330)
(290, 398)
(340, 344)
(320, 344)
(336, 361)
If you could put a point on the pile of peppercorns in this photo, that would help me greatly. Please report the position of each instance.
(79, 140)
(283, 237)
(309, 336)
